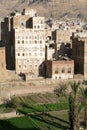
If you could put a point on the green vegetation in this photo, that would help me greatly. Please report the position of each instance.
(35, 103)
(47, 118)
(57, 111)
(21, 123)
(43, 108)
(84, 103)
(74, 106)
(5, 108)
(40, 103)
(77, 102)
(44, 121)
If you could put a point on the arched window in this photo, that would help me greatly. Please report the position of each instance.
(69, 70)
(63, 70)
(56, 71)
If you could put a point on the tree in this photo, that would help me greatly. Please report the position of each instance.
(61, 90)
(84, 94)
(73, 105)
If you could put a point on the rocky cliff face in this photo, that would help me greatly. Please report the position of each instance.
(57, 9)
(7, 6)
(61, 8)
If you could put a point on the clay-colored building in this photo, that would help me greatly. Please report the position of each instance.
(60, 69)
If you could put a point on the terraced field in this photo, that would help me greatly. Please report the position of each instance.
(36, 122)
(38, 112)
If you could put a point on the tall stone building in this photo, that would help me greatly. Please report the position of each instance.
(25, 42)
(62, 38)
(79, 52)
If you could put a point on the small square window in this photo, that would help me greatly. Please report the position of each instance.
(35, 42)
(40, 42)
(40, 54)
(29, 54)
(38, 26)
(35, 65)
(19, 66)
(34, 26)
(22, 54)
(18, 41)
(18, 54)
(23, 41)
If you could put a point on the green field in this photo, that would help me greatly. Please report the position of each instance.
(40, 112)
(40, 103)
(47, 121)
(43, 108)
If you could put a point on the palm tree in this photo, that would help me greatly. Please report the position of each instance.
(73, 106)
(84, 94)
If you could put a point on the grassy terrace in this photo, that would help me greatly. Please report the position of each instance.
(40, 103)
(43, 108)
(35, 103)
(50, 121)
(52, 114)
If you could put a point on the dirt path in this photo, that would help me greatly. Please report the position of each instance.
(9, 115)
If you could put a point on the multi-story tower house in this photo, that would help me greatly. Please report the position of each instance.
(79, 52)
(27, 42)
(30, 47)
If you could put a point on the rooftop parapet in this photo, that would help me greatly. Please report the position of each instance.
(80, 34)
(28, 11)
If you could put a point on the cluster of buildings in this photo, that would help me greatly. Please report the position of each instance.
(36, 47)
